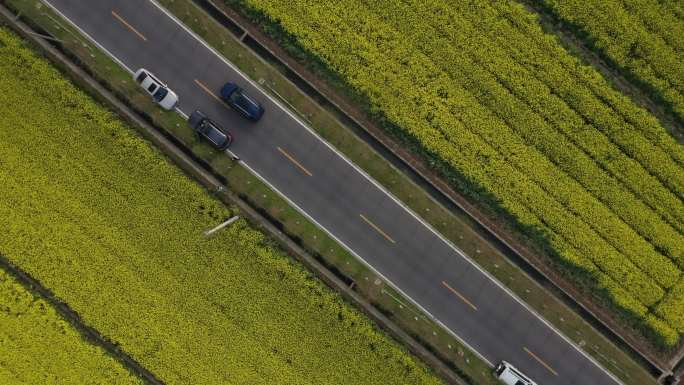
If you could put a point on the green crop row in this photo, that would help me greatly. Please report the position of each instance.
(658, 19)
(527, 43)
(584, 90)
(582, 185)
(675, 7)
(545, 121)
(38, 346)
(105, 222)
(637, 44)
(670, 309)
(495, 99)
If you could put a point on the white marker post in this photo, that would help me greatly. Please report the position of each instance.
(222, 225)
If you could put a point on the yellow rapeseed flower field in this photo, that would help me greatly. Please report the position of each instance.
(38, 346)
(644, 38)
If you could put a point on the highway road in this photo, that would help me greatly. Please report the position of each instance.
(338, 196)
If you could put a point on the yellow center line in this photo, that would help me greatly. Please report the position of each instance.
(544, 364)
(121, 19)
(293, 160)
(207, 90)
(459, 295)
(377, 228)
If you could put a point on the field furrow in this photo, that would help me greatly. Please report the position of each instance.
(38, 346)
(584, 89)
(622, 37)
(659, 21)
(485, 57)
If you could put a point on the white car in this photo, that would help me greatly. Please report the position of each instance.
(158, 90)
(509, 375)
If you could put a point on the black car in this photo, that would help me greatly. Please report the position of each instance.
(209, 130)
(236, 98)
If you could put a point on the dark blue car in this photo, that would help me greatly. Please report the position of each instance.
(235, 97)
(209, 130)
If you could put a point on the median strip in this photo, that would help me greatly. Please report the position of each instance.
(376, 228)
(121, 19)
(544, 364)
(293, 160)
(459, 295)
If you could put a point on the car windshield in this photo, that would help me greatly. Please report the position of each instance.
(160, 94)
(141, 77)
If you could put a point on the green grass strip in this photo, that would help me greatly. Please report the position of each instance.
(634, 36)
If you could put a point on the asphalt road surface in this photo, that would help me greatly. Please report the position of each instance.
(338, 196)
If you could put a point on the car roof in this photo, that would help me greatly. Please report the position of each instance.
(215, 134)
(512, 375)
(250, 105)
(150, 76)
(213, 131)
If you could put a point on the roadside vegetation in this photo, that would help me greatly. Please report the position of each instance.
(643, 38)
(114, 230)
(38, 346)
(515, 122)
